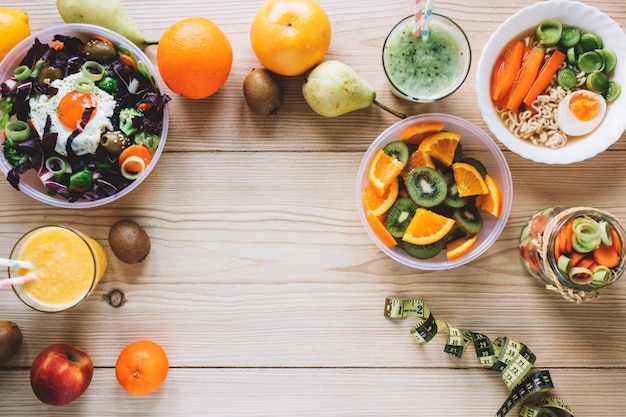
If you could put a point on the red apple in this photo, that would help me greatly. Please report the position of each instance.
(60, 374)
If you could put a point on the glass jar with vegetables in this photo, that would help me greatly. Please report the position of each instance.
(574, 251)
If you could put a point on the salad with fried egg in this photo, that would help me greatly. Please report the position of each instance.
(85, 115)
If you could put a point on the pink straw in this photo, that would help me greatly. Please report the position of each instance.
(17, 280)
(419, 10)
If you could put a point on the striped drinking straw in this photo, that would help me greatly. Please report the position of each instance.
(426, 15)
(419, 11)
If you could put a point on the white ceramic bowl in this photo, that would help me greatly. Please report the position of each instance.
(476, 143)
(569, 13)
(29, 182)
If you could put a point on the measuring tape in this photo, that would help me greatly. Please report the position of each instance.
(513, 360)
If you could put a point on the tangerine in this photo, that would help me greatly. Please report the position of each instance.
(380, 230)
(460, 247)
(427, 227)
(416, 133)
(289, 37)
(194, 57)
(377, 204)
(441, 146)
(492, 201)
(468, 180)
(141, 367)
(384, 169)
(13, 29)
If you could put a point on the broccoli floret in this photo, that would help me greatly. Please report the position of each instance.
(149, 140)
(130, 120)
(12, 154)
(110, 85)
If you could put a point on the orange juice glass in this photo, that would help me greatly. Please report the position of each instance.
(68, 266)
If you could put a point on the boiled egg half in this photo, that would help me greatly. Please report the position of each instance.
(580, 112)
(66, 109)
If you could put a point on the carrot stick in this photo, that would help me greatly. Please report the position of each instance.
(606, 255)
(497, 74)
(586, 262)
(512, 63)
(558, 251)
(545, 76)
(567, 235)
(525, 78)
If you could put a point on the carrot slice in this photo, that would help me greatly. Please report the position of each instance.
(576, 257)
(617, 244)
(513, 54)
(586, 262)
(545, 76)
(525, 78)
(606, 255)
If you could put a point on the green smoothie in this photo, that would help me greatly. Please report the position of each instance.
(427, 70)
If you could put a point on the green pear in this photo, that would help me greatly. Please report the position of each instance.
(109, 14)
(332, 88)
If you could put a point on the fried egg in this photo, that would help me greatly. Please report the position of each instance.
(66, 109)
(580, 112)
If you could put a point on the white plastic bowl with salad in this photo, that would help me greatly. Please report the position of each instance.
(84, 116)
(550, 25)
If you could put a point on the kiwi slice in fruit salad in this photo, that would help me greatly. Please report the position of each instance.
(453, 200)
(399, 216)
(423, 251)
(468, 219)
(426, 187)
(398, 150)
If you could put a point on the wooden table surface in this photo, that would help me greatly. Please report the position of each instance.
(263, 286)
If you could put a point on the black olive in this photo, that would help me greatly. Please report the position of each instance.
(47, 74)
(114, 142)
(100, 51)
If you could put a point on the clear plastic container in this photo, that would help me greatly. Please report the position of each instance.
(475, 142)
(545, 258)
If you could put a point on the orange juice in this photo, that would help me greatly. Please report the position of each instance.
(68, 266)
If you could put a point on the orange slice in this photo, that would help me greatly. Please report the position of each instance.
(376, 203)
(427, 227)
(383, 170)
(416, 133)
(441, 146)
(416, 159)
(380, 230)
(460, 247)
(492, 201)
(468, 180)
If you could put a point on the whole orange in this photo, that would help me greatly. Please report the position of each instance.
(290, 36)
(141, 367)
(13, 28)
(194, 57)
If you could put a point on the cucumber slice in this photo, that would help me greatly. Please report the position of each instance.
(566, 77)
(597, 82)
(590, 41)
(590, 61)
(570, 37)
(610, 59)
(549, 32)
(613, 91)
(572, 55)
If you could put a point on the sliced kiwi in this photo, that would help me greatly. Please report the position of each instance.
(398, 150)
(426, 186)
(423, 251)
(468, 219)
(399, 216)
(452, 197)
(476, 164)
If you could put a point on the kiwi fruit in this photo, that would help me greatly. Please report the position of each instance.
(476, 164)
(423, 251)
(129, 241)
(399, 216)
(452, 197)
(398, 150)
(468, 219)
(426, 187)
(10, 340)
(262, 92)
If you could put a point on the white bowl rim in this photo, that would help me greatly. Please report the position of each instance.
(572, 13)
(505, 181)
(82, 29)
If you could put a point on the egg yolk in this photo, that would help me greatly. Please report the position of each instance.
(584, 106)
(73, 105)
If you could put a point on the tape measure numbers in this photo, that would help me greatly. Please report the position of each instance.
(513, 360)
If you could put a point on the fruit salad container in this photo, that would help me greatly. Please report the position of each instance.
(434, 191)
